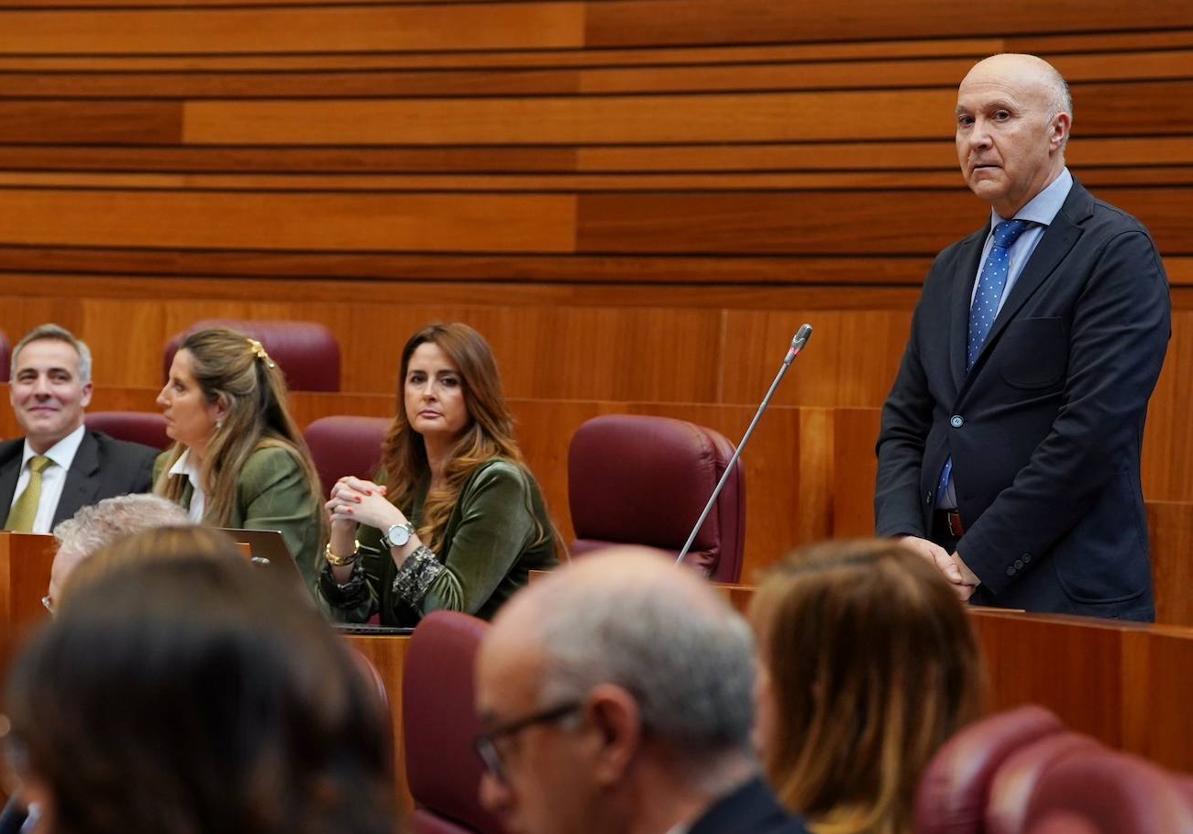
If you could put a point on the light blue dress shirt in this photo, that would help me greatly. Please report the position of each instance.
(1041, 210)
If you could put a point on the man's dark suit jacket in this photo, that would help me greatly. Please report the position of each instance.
(1046, 430)
(103, 467)
(751, 809)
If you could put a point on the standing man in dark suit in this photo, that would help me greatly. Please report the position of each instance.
(1010, 444)
(59, 466)
(617, 698)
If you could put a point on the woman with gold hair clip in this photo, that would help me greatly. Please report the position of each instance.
(238, 458)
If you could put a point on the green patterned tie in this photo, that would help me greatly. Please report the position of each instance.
(24, 511)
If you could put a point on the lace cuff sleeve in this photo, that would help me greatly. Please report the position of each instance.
(416, 574)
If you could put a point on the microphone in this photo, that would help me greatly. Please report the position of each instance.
(797, 345)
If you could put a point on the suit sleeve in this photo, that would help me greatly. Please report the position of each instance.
(274, 495)
(1118, 336)
(906, 420)
(496, 526)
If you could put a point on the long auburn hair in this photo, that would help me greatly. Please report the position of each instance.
(489, 434)
(227, 367)
(873, 666)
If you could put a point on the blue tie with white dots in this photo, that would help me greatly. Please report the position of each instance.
(982, 312)
(991, 283)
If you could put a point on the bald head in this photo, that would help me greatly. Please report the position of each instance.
(629, 617)
(1025, 72)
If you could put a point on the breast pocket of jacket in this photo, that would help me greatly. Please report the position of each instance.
(1034, 353)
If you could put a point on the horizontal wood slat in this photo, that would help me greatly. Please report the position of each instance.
(621, 23)
(538, 223)
(297, 29)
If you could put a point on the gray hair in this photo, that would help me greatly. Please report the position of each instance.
(688, 662)
(55, 333)
(96, 526)
(1062, 99)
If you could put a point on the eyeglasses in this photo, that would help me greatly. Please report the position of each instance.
(486, 743)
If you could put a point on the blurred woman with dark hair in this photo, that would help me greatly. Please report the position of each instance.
(457, 520)
(238, 458)
(177, 696)
(869, 665)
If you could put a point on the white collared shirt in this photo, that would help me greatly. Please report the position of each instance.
(183, 466)
(53, 479)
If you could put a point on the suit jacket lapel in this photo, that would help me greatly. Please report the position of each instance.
(1058, 239)
(968, 259)
(10, 472)
(82, 480)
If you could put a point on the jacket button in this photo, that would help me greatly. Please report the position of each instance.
(928, 497)
(1010, 571)
(1026, 557)
(1018, 564)
(956, 421)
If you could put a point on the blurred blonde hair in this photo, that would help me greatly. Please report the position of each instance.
(873, 665)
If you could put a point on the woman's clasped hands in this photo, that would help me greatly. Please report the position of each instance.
(358, 501)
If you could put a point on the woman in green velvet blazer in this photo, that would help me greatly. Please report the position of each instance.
(455, 521)
(238, 458)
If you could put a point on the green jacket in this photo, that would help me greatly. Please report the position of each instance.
(498, 532)
(272, 494)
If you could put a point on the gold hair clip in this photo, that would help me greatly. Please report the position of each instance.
(258, 349)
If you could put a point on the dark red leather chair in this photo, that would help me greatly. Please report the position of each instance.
(955, 787)
(635, 479)
(1108, 793)
(439, 726)
(307, 352)
(1016, 780)
(344, 445)
(135, 426)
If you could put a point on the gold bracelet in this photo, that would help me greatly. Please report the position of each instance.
(342, 561)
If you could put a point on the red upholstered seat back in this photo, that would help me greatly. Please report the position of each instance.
(1016, 780)
(307, 352)
(635, 479)
(439, 725)
(954, 789)
(1108, 793)
(343, 445)
(135, 426)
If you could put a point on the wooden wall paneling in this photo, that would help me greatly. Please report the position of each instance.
(559, 352)
(687, 22)
(126, 341)
(855, 465)
(425, 222)
(571, 120)
(358, 28)
(363, 160)
(851, 359)
(1159, 728)
(1170, 530)
(1057, 663)
(1168, 434)
(822, 222)
(388, 656)
(107, 122)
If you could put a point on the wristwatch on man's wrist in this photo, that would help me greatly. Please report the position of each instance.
(398, 535)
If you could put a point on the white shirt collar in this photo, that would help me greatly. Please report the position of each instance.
(61, 453)
(184, 466)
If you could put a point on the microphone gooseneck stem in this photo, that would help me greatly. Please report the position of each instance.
(797, 345)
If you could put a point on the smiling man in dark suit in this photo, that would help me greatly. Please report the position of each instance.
(59, 466)
(1010, 444)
